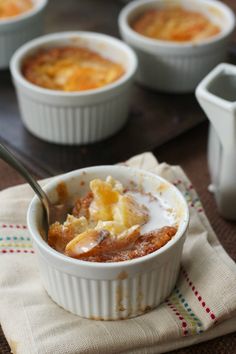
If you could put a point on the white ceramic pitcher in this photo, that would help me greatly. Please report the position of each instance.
(216, 94)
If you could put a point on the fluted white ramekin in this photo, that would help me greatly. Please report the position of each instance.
(17, 30)
(116, 290)
(75, 117)
(177, 67)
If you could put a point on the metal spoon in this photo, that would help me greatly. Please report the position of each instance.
(54, 212)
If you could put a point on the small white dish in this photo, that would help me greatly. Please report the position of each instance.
(116, 290)
(171, 66)
(75, 117)
(17, 30)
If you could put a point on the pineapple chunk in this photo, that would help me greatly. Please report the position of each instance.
(85, 242)
(77, 225)
(128, 237)
(130, 234)
(99, 211)
(104, 197)
(112, 226)
(105, 220)
(104, 192)
(116, 185)
(128, 212)
(59, 235)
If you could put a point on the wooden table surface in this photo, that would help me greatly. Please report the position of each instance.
(157, 122)
(154, 117)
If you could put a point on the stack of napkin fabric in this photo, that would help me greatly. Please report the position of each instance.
(202, 305)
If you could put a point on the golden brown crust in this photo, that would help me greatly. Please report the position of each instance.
(59, 236)
(112, 250)
(70, 69)
(86, 243)
(62, 192)
(175, 24)
(81, 207)
(12, 8)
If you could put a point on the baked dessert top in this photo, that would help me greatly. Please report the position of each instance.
(12, 8)
(174, 24)
(113, 224)
(70, 69)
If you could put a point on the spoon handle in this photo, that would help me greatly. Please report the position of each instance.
(8, 157)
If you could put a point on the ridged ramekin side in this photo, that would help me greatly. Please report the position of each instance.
(77, 117)
(113, 299)
(176, 73)
(76, 124)
(115, 290)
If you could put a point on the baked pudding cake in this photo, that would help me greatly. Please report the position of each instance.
(173, 23)
(70, 69)
(113, 224)
(12, 8)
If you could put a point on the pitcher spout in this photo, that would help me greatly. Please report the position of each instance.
(216, 95)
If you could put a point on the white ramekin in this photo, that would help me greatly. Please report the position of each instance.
(110, 291)
(177, 67)
(17, 30)
(75, 117)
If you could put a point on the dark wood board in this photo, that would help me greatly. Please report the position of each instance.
(155, 118)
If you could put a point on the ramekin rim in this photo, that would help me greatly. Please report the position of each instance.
(103, 265)
(25, 15)
(133, 5)
(37, 42)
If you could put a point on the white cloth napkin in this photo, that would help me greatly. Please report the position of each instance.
(202, 305)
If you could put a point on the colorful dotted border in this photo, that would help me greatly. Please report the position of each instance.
(16, 251)
(192, 202)
(11, 244)
(15, 238)
(194, 320)
(198, 296)
(189, 321)
(180, 317)
(12, 226)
